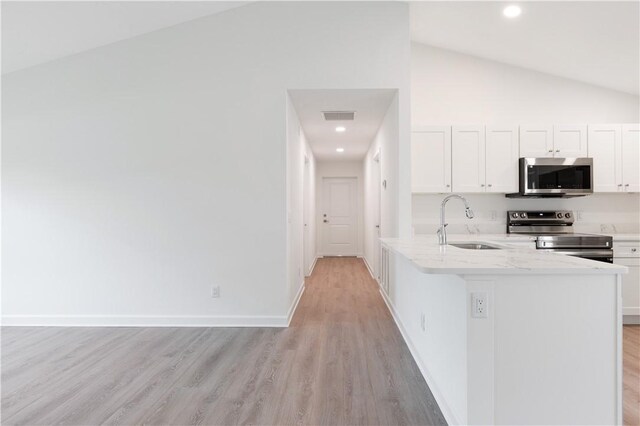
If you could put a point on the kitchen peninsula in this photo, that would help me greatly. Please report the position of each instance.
(509, 335)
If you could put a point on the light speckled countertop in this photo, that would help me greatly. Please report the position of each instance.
(425, 253)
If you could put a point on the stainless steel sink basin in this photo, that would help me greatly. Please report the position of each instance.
(475, 246)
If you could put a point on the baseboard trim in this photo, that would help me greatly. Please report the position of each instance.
(142, 321)
(369, 268)
(313, 265)
(294, 305)
(446, 411)
(631, 319)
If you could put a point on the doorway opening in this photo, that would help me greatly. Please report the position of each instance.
(342, 150)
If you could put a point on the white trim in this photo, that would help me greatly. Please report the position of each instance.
(368, 267)
(313, 265)
(446, 411)
(631, 320)
(152, 321)
(143, 321)
(619, 353)
(294, 305)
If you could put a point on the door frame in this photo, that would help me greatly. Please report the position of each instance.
(320, 210)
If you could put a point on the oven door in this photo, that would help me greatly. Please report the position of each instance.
(560, 177)
(603, 255)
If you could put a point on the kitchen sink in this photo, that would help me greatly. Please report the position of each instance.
(475, 246)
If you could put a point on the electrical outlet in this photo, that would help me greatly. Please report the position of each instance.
(215, 291)
(479, 305)
(423, 322)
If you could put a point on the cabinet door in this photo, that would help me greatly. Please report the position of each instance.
(630, 286)
(536, 141)
(605, 147)
(631, 157)
(569, 141)
(431, 159)
(502, 159)
(468, 158)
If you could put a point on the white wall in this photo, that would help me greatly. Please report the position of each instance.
(387, 145)
(139, 174)
(339, 169)
(300, 182)
(453, 88)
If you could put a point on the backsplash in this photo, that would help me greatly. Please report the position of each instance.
(597, 213)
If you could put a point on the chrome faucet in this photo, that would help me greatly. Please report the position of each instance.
(442, 232)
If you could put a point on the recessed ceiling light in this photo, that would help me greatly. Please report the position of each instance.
(340, 129)
(512, 11)
(339, 149)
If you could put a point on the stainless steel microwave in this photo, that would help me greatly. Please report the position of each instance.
(555, 177)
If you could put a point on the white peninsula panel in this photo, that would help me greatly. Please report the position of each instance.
(510, 335)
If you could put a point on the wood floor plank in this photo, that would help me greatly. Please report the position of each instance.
(342, 361)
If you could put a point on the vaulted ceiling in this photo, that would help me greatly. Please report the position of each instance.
(594, 42)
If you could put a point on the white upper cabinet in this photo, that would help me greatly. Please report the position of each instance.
(431, 159)
(536, 141)
(484, 159)
(631, 157)
(502, 159)
(569, 141)
(468, 158)
(605, 147)
(615, 149)
(553, 141)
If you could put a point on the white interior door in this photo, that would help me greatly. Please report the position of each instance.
(339, 217)
(307, 217)
(376, 194)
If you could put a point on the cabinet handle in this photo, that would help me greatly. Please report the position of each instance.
(557, 150)
(633, 250)
(626, 184)
(489, 185)
(619, 185)
(550, 150)
(448, 186)
(482, 185)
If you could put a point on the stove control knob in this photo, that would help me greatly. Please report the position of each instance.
(523, 215)
(567, 215)
(559, 215)
(514, 215)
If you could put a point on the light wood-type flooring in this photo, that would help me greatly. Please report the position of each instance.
(341, 362)
(631, 375)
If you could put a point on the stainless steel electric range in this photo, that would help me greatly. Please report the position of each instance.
(554, 232)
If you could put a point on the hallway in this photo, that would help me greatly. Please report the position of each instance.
(342, 361)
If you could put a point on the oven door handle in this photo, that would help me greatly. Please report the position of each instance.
(581, 253)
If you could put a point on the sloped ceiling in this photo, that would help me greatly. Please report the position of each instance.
(37, 32)
(592, 42)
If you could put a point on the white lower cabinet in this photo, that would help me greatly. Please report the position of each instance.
(628, 254)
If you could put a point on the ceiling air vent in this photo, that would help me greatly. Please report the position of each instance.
(339, 115)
